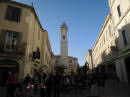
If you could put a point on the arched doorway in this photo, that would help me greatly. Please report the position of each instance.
(7, 66)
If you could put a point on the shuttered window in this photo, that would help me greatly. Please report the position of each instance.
(13, 14)
(124, 37)
(2, 39)
(10, 40)
(119, 11)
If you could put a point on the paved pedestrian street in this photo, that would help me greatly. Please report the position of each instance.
(112, 89)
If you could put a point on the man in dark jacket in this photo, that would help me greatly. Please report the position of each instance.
(48, 84)
(56, 83)
(27, 80)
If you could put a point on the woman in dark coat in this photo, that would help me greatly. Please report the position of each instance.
(48, 84)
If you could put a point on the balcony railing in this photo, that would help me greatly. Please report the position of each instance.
(17, 53)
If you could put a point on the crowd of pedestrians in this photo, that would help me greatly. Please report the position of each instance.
(50, 85)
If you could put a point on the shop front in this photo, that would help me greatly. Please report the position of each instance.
(7, 66)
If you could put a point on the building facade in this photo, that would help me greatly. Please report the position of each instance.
(111, 49)
(120, 10)
(105, 48)
(47, 55)
(72, 65)
(24, 44)
(89, 60)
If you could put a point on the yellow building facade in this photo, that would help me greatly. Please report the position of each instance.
(72, 65)
(111, 49)
(47, 59)
(24, 45)
(120, 10)
(105, 48)
(89, 60)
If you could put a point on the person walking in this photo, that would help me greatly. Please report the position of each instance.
(9, 85)
(36, 81)
(12, 82)
(44, 75)
(48, 84)
(56, 83)
(42, 89)
(27, 80)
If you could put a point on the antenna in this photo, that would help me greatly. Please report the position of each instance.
(32, 3)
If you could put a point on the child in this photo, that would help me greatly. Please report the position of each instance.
(30, 88)
(42, 90)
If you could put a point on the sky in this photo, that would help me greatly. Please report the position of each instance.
(84, 19)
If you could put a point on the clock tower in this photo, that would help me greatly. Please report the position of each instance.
(64, 41)
(69, 63)
(64, 44)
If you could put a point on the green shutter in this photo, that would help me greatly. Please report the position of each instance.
(9, 13)
(2, 39)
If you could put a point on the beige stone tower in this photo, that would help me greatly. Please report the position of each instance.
(64, 45)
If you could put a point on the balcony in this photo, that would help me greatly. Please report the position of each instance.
(16, 53)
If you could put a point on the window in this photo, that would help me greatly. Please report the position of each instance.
(36, 55)
(119, 11)
(63, 36)
(109, 29)
(13, 14)
(56, 61)
(70, 61)
(11, 40)
(104, 39)
(70, 65)
(124, 37)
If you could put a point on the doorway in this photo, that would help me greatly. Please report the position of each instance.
(7, 66)
(111, 70)
(127, 64)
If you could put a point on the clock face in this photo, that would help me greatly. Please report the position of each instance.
(63, 36)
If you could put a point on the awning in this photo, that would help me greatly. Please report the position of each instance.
(8, 66)
(109, 61)
(122, 55)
